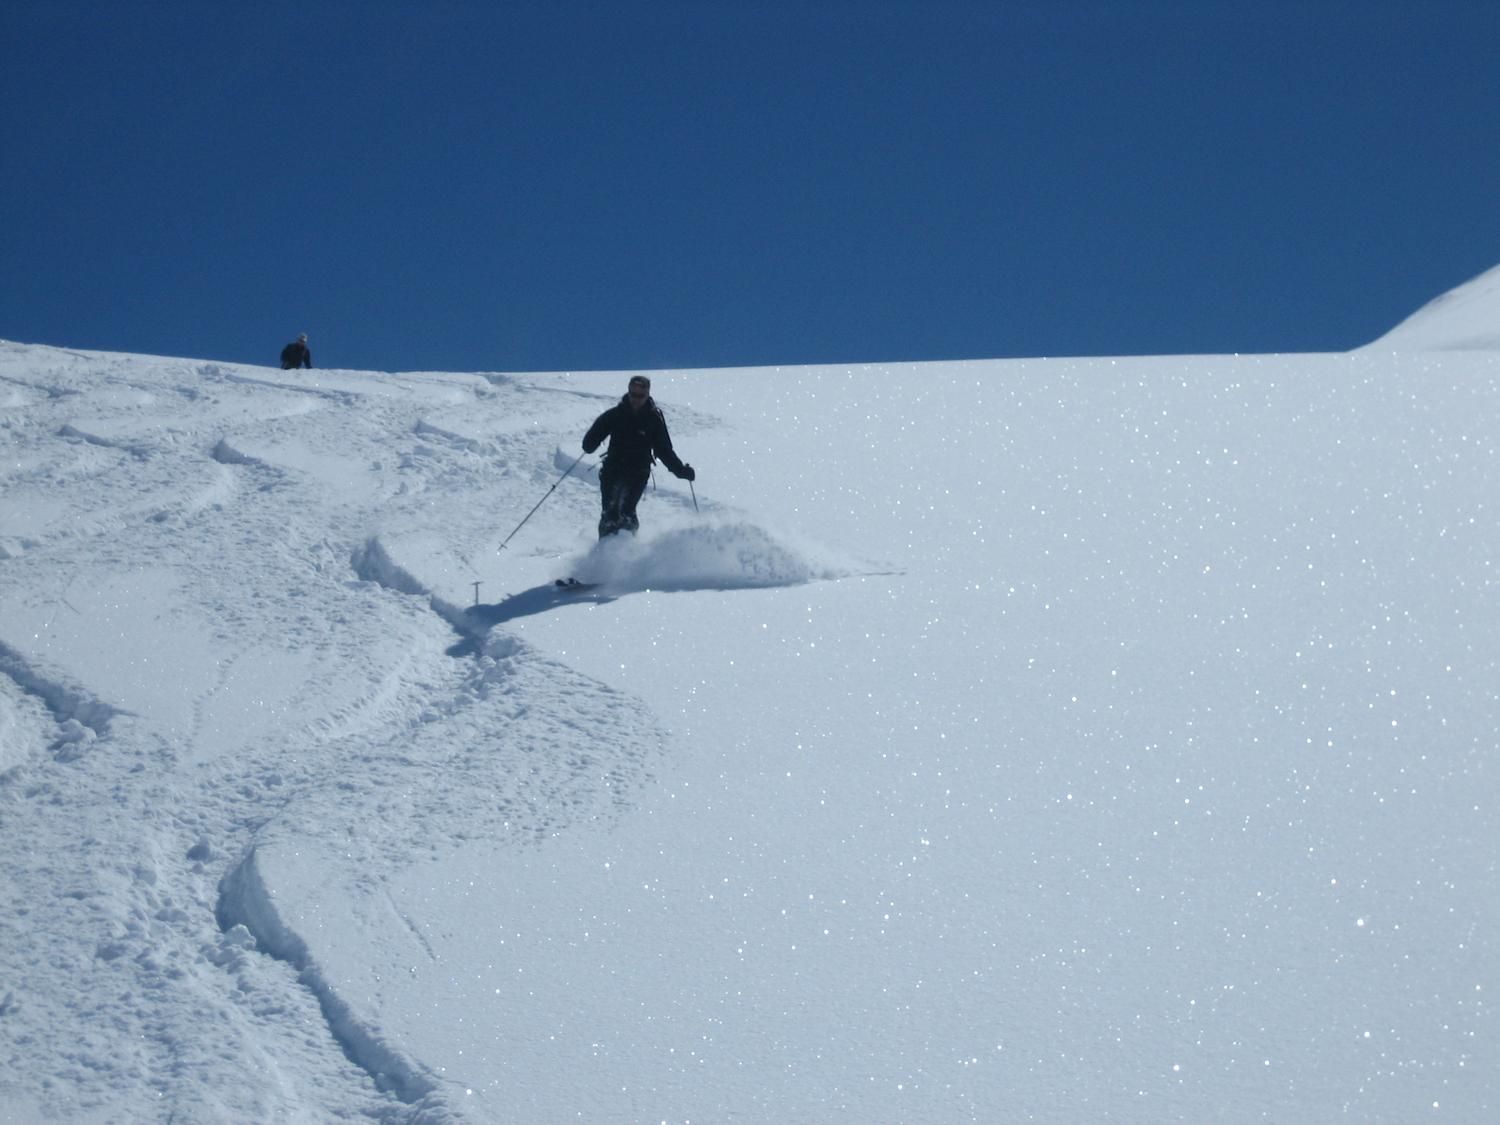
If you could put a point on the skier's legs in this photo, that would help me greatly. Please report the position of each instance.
(618, 496)
(633, 491)
(609, 505)
(612, 493)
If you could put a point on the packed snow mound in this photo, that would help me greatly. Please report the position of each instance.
(1463, 319)
(729, 555)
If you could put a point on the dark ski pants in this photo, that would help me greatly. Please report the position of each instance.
(619, 493)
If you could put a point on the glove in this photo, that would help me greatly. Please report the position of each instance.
(688, 473)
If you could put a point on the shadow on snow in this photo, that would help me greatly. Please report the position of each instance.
(477, 620)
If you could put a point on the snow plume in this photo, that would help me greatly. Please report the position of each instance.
(715, 554)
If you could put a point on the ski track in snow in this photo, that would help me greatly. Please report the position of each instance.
(497, 738)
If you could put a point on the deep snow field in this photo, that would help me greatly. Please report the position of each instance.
(1054, 740)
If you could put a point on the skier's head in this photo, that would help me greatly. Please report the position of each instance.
(302, 337)
(639, 390)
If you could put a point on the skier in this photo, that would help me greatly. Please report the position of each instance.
(296, 354)
(637, 434)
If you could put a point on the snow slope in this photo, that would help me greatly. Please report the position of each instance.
(1464, 319)
(1046, 740)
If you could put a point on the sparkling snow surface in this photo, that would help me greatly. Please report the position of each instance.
(1057, 740)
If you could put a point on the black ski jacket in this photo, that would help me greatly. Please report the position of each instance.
(635, 437)
(294, 355)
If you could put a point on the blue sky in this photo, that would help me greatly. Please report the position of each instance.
(569, 186)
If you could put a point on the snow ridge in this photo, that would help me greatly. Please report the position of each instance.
(80, 717)
(372, 563)
(1463, 319)
(246, 901)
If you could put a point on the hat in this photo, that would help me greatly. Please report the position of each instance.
(303, 336)
(640, 381)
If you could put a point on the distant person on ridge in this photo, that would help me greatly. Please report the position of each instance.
(296, 354)
(637, 434)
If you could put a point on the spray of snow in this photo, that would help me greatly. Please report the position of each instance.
(714, 554)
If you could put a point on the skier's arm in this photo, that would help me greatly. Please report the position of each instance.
(596, 432)
(661, 444)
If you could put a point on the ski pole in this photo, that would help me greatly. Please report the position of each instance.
(694, 491)
(540, 502)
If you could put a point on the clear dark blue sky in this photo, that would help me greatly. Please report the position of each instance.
(560, 185)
